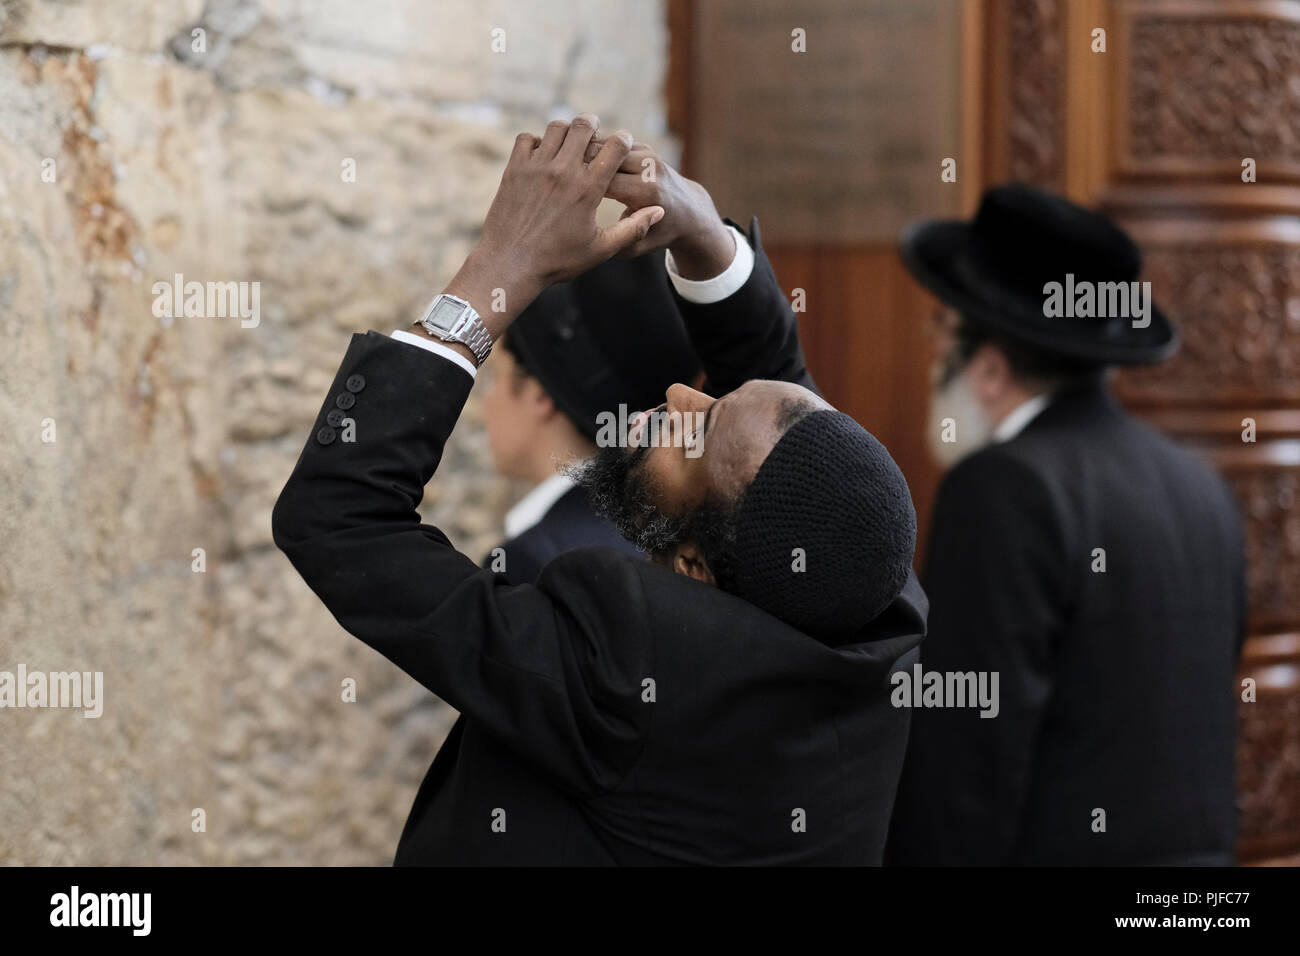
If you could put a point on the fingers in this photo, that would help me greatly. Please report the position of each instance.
(598, 142)
(634, 182)
(641, 246)
(525, 143)
(552, 139)
(628, 231)
(647, 166)
(610, 159)
(580, 132)
(632, 162)
(628, 188)
(607, 155)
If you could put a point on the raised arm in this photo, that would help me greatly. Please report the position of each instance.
(564, 695)
(752, 332)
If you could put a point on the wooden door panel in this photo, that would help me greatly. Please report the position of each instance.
(1154, 131)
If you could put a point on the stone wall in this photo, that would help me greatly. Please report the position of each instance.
(222, 686)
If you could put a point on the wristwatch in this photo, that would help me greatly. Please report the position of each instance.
(452, 319)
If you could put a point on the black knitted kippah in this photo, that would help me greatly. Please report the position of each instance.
(830, 488)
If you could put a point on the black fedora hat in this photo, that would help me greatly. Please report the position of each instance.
(611, 336)
(997, 270)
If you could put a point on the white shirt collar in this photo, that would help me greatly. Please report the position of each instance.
(1020, 416)
(533, 506)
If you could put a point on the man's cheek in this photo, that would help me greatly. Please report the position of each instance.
(658, 482)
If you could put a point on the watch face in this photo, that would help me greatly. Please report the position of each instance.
(445, 314)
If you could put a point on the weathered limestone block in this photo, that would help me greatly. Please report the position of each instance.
(223, 687)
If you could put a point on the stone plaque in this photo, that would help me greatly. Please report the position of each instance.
(842, 142)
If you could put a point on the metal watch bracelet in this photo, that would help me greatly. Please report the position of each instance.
(477, 339)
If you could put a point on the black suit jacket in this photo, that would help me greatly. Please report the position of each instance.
(1117, 687)
(569, 523)
(616, 712)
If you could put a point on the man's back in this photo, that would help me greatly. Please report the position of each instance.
(747, 742)
(1098, 567)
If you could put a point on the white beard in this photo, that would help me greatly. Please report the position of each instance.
(970, 427)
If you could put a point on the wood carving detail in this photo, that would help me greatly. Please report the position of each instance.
(1238, 310)
(1268, 767)
(1215, 89)
(1036, 94)
(1270, 507)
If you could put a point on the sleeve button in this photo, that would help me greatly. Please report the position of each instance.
(345, 400)
(355, 383)
(335, 418)
(326, 435)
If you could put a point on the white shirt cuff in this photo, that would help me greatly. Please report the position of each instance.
(706, 291)
(410, 338)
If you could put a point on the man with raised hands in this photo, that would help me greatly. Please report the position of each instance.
(726, 700)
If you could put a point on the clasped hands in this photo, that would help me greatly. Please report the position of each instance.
(541, 227)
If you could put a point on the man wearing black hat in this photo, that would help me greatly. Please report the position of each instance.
(608, 341)
(726, 701)
(1090, 563)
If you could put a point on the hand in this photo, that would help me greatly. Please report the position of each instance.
(542, 222)
(541, 227)
(691, 228)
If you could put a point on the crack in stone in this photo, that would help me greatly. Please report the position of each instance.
(38, 50)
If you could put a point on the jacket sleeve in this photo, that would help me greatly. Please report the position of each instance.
(750, 334)
(522, 564)
(994, 567)
(534, 669)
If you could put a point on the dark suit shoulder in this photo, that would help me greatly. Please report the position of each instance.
(1002, 505)
(570, 523)
(1181, 459)
(1004, 471)
(596, 585)
(1092, 439)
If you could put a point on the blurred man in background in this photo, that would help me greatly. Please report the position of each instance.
(610, 337)
(1093, 564)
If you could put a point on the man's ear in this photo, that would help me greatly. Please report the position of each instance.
(688, 560)
(990, 373)
(540, 405)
